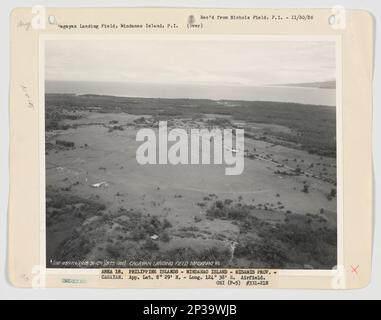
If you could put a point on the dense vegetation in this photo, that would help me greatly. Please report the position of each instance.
(301, 241)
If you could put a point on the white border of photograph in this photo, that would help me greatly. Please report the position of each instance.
(337, 39)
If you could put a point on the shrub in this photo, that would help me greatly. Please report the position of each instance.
(166, 224)
(138, 233)
(197, 219)
(150, 245)
(113, 251)
(165, 237)
(305, 188)
(229, 201)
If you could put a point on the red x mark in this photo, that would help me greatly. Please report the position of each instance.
(354, 269)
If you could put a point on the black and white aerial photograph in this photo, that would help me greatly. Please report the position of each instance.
(194, 153)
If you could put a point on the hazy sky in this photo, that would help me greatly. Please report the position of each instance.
(192, 62)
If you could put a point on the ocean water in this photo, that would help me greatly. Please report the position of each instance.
(304, 95)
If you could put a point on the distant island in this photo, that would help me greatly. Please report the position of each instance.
(320, 85)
